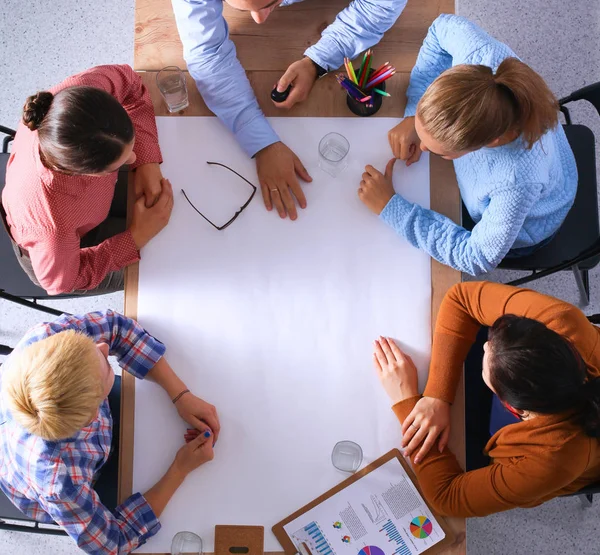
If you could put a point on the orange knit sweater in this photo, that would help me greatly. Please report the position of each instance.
(532, 461)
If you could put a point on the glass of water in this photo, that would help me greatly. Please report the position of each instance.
(347, 456)
(333, 153)
(171, 84)
(186, 542)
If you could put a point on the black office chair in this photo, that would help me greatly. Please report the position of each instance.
(15, 285)
(577, 243)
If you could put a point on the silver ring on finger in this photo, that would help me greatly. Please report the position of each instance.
(274, 190)
(416, 427)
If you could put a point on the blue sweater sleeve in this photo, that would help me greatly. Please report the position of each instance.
(474, 252)
(212, 61)
(451, 40)
(356, 28)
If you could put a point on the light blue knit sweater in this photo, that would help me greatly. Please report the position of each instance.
(516, 197)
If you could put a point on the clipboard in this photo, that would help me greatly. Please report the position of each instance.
(290, 548)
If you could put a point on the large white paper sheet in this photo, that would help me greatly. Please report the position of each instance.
(273, 322)
(381, 514)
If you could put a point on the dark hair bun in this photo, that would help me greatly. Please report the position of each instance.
(36, 108)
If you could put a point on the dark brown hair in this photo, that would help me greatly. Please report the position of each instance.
(535, 369)
(468, 106)
(82, 130)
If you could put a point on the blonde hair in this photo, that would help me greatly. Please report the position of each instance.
(468, 106)
(53, 387)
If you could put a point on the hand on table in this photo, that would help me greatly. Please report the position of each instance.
(396, 370)
(147, 182)
(405, 142)
(301, 75)
(277, 167)
(146, 223)
(199, 414)
(376, 189)
(429, 420)
(194, 453)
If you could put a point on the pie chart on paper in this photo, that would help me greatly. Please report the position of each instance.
(421, 527)
(371, 550)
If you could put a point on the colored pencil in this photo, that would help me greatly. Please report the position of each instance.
(362, 65)
(364, 71)
(382, 93)
(365, 98)
(383, 77)
(351, 91)
(355, 86)
(352, 75)
(346, 66)
(378, 75)
(381, 69)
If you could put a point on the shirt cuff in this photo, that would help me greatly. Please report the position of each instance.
(151, 349)
(411, 107)
(256, 135)
(320, 53)
(124, 249)
(395, 211)
(404, 408)
(139, 516)
(147, 154)
(442, 391)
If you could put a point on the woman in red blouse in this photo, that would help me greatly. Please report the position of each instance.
(62, 174)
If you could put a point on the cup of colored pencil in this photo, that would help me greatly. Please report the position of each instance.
(365, 88)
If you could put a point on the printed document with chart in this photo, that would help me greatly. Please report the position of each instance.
(380, 514)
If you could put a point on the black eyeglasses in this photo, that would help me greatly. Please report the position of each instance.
(220, 228)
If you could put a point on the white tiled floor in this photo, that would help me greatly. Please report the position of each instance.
(43, 42)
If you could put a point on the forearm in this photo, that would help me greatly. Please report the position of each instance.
(163, 375)
(355, 29)
(439, 236)
(212, 62)
(160, 494)
(72, 268)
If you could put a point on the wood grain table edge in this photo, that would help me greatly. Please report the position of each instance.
(125, 487)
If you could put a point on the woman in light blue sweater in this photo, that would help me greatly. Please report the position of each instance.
(472, 101)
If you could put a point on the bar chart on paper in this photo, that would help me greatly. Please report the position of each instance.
(312, 536)
(394, 536)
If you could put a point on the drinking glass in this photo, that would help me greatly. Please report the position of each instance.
(186, 543)
(171, 84)
(347, 456)
(333, 153)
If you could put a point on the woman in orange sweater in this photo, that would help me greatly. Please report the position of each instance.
(542, 360)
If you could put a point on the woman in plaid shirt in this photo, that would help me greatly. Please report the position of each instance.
(57, 428)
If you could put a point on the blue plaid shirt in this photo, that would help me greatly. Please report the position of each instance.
(51, 481)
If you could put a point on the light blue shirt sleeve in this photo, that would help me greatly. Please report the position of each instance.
(451, 40)
(356, 28)
(212, 61)
(474, 252)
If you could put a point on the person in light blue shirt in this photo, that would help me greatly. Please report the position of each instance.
(471, 100)
(212, 62)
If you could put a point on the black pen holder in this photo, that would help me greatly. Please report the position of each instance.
(370, 107)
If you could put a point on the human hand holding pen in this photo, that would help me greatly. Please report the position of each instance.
(301, 76)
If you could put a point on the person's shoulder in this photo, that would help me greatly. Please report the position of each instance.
(473, 45)
(556, 444)
(31, 456)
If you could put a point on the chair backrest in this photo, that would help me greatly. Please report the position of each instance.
(13, 279)
(591, 93)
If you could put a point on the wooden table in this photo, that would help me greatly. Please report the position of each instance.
(265, 51)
